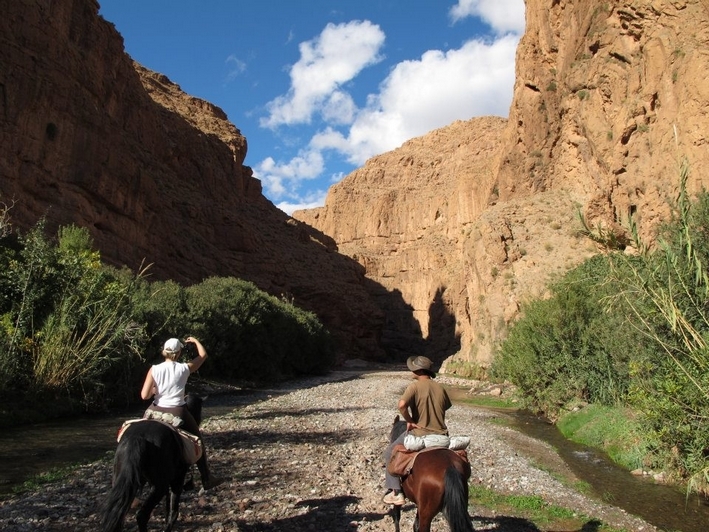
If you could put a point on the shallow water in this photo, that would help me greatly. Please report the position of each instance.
(31, 450)
(666, 507)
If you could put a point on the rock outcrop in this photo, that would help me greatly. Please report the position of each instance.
(88, 137)
(476, 217)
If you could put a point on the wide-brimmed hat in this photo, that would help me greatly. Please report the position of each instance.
(419, 363)
(173, 345)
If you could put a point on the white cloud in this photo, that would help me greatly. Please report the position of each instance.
(279, 179)
(312, 201)
(502, 15)
(419, 96)
(416, 97)
(236, 67)
(339, 108)
(335, 57)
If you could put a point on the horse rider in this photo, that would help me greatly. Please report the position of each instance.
(165, 383)
(423, 405)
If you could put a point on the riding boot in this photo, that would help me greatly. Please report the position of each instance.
(208, 480)
(203, 468)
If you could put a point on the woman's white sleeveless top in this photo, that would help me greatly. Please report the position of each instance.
(170, 380)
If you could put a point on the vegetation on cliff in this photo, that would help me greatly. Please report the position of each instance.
(78, 335)
(632, 331)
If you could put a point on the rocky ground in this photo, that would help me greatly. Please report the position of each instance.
(307, 456)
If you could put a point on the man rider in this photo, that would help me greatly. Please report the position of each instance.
(423, 405)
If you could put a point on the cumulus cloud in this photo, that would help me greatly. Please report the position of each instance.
(335, 57)
(279, 179)
(419, 96)
(416, 97)
(311, 201)
(503, 16)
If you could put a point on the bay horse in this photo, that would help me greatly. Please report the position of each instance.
(437, 482)
(149, 452)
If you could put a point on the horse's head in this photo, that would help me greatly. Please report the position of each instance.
(194, 405)
(397, 429)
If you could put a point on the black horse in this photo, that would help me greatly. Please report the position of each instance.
(149, 452)
(437, 482)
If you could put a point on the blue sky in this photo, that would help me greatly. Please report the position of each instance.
(319, 86)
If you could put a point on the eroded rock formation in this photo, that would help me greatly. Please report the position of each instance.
(474, 218)
(90, 138)
(461, 225)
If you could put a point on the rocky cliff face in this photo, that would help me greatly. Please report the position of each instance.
(462, 224)
(90, 138)
(476, 217)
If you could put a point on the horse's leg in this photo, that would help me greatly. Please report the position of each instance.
(428, 503)
(396, 515)
(142, 516)
(173, 509)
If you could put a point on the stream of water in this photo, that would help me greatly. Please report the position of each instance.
(666, 507)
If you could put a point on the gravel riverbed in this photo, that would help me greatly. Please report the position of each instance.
(307, 456)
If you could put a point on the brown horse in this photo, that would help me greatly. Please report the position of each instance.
(437, 482)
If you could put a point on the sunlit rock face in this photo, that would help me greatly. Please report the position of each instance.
(469, 221)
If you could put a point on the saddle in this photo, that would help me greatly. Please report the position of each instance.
(402, 459)
(191, 444)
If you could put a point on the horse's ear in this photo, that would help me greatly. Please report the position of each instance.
(396, 419)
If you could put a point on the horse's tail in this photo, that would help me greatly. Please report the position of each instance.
(455, 501)
(126, 482)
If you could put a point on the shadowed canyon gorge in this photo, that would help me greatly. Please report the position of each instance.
(430, 248)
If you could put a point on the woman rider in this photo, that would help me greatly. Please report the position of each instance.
(166, 382)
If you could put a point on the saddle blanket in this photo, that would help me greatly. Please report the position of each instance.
(402, 460)
(416, 443)
(191, 444)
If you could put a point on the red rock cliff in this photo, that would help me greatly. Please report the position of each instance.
(476, 217)
(90, 138)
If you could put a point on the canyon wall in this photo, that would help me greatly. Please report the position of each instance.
(473, 219)
(430, 248)
(88, 137)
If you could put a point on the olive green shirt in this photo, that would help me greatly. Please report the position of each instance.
(427, 401)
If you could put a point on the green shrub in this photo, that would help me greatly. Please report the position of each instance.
(249, 335)
(629, 331)
(254, 336)
(76, 334)
(67, 327)
(668, 292)
(571, 346)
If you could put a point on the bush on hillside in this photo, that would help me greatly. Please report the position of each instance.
(630, 330)
(66, 321)
(249, 335)
(253, 336)
(668, 292)
(571, 346)
(74, 332)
